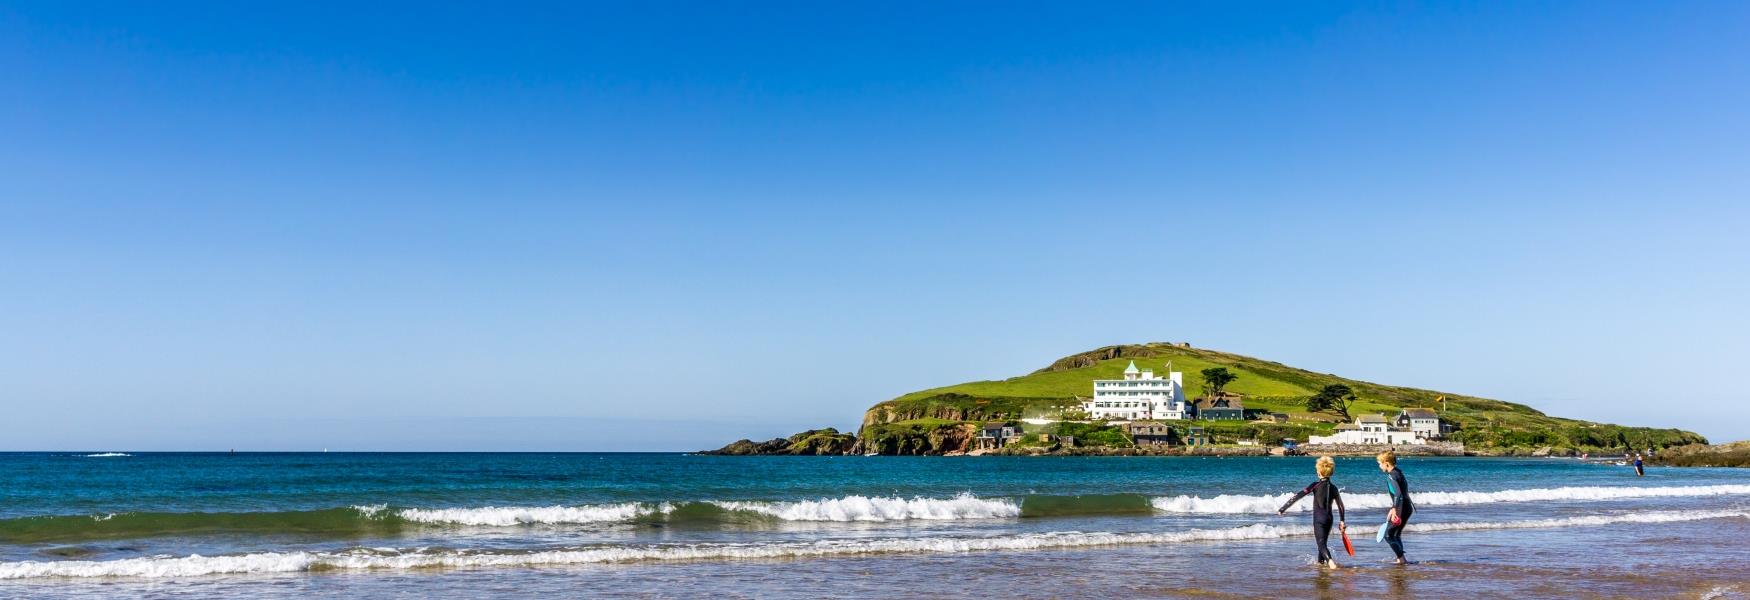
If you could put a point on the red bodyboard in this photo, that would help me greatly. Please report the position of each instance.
(1348, 547)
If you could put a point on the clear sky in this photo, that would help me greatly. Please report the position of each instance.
(664, 226)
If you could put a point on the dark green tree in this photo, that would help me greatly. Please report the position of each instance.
(1336, 398)
(1215, 379)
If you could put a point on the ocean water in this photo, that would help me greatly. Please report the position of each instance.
(107, 524)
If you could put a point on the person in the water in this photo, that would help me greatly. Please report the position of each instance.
(1640, 469)
(1401, 507)
(1324, 493)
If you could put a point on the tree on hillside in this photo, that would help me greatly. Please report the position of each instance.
(1336, 398)
(1215, 379)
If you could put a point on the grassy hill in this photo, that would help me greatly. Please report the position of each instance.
(1482, 424)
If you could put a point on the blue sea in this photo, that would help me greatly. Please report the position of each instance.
(419, 525)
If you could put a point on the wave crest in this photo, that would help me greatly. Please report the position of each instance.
(494, 516)
(864, 508)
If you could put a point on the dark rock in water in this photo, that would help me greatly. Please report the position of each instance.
(814, 442)
(747, 447)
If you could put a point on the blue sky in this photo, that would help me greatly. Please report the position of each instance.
(664, 226)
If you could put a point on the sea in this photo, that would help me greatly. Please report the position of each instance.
(609, 525)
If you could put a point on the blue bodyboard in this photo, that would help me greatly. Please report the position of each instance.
(1383, 526)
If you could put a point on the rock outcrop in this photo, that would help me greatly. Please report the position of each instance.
(814, 442)
(918, 439)
(1093, 357)
(1735, 454)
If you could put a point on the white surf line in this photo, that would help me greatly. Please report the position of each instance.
(846, 509)
(1241, 504)
(363, 560)
(863, 508)
(494, 516)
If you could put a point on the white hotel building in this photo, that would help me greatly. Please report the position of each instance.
(1139, 396)
(1372, 430)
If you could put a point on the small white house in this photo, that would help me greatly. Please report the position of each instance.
(1370, 429)
(1423, 421)
(1140, 395)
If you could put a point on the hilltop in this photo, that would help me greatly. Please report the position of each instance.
(946, 419)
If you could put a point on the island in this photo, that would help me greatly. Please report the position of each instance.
(1111, 401)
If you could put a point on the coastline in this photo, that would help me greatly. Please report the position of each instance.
(1735, 454)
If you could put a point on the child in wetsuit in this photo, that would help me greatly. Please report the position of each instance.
(1401, 507)
(1324, 493)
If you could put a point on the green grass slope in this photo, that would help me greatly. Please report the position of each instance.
(1482, 423)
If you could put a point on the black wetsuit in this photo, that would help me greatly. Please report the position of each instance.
(1400, 501)
(1323, 493)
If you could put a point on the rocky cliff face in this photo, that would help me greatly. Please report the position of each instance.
(946, 407)
(918, 439)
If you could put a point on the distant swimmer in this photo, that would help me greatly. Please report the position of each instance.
(1401, 507)
(1640, 469)
(1324, 493)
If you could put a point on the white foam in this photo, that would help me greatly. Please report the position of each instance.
(494, 516)
(846, 509)
(360, 560)
(371, 510)
(1241, 504)
(107, 455)
(863, 508)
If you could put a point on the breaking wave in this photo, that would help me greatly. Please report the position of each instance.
(381, 520)
(846, 509)
(367, 560)
(107, 455)
(1241, 504)
(864, 508)
(492, 516)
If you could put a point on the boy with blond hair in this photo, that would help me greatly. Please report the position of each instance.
(1324, 493)
(1401, 507)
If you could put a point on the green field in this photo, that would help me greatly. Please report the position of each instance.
(1482, 423)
